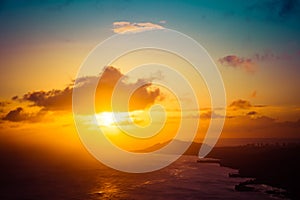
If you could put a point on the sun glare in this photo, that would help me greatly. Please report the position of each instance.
(105, 119)
(110, 119)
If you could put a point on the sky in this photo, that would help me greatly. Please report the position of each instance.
(255, 45)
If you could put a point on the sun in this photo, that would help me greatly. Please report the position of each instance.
(105, 119)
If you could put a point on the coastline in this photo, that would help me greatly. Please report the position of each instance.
(275, 165)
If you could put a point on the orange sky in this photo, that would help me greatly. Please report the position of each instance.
(41, 113)
(36, 99)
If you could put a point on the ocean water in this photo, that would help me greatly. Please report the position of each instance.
(184, 179)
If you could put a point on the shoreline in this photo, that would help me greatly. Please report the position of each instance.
(273, 165)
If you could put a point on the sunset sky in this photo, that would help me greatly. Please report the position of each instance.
(255, 45)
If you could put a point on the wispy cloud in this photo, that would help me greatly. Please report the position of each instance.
(271, 56)
(246, 64)
(240, 104)
(122, 27)
(251, 63)
(162, 21)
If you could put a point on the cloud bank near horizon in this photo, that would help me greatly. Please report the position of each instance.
(122, 27)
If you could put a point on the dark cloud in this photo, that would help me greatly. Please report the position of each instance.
(55, 100)
(260, 106)
(252, 113)
(51, 100)
(260, 127)
(16, 115)
(240, 104)
(238, 62)
(243, 104)
(14, 98)
(4, 103)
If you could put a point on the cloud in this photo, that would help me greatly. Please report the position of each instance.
(252, 113)
(51, 100)
(243, 104)
(4, 103)
(18, 115)
(14, 98)
(210, 115)
(270, 56)
(237, 62)
(142, 97)
(122, 27)
(59, 100)
(240, 104)
(250, 64)
(249, 126)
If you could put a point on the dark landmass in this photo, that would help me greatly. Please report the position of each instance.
(276, 165)
(192, 149)
(208, 160)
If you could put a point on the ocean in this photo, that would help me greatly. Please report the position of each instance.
(184, 179)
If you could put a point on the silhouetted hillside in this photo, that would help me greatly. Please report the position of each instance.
(193, 149)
